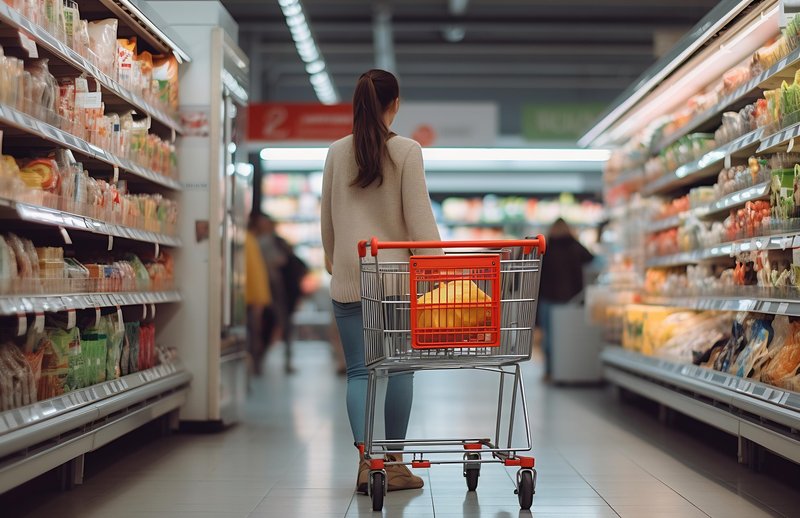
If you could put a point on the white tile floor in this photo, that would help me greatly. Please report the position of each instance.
(292, 457)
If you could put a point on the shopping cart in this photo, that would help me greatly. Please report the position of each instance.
(471, 308)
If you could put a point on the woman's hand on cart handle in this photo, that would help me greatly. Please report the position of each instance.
(526, 244)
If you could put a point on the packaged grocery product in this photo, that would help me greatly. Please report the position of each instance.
(55, 362)
(129, 361)
(71, 21)
(165, 78)
(126, 53)
(103, 44)
(759, 335)
(461, 296)
(784, 359)
(145, 62)
(115, 336)
(41, 174)
(16, 378)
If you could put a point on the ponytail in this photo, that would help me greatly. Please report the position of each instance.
(375, 91)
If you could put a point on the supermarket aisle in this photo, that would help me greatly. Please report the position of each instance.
(292, 458)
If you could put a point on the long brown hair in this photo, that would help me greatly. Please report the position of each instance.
(375, 91)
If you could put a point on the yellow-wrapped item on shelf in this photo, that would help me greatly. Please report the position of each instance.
(469, 306)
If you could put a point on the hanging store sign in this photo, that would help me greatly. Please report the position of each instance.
(299, 122)
(448, 124)
(558, 121)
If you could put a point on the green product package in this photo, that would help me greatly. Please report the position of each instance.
(113, 346)
(132, 338)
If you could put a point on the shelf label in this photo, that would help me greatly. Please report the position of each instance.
(782, 308)
(22, 324)
(65, 235)
(71, 318)
(790, 147)
(116, 174)
(152, 311)
(727, 162)
(158, 251)
(29, 45)
(144, 312)
(120, 322)
(96, 316)
(110, 242)
(38, 322)
(766, 307)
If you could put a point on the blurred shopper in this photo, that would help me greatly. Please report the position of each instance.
(257, 294)
(561, 281)
(286, 272)
(373, 185)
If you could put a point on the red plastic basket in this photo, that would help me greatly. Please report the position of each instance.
(455, 301)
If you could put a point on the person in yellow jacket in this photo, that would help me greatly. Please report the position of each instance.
(257, 293)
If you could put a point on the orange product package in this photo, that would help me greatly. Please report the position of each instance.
(453, 305)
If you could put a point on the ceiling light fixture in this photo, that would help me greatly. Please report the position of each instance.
(308, 51)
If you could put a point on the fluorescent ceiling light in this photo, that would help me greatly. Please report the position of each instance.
(308, 51)
(306, 154)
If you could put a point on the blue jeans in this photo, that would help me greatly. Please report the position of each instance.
(399, 390)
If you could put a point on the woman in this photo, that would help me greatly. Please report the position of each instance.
(257, 292)
(563, 263)
(373, 185)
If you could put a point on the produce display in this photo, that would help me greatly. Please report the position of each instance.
(59, 182)
(25, 269)
(754, 346)
(74, 104)
(58, 359)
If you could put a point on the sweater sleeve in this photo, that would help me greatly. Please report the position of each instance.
(417, 209)
(326, 217)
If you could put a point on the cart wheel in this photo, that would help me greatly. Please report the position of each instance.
(527, 487)
(377, 489)
(472, 471)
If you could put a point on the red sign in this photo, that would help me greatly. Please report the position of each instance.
(299, 121)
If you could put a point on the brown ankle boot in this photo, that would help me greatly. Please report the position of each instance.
(399, 477)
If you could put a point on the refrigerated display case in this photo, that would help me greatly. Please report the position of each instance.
(701, 190)
(218, 195)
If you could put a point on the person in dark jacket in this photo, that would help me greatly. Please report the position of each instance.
(561, 281)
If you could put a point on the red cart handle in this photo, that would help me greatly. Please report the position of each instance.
(525, 244)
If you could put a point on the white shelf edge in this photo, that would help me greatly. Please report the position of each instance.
(12, 18)
(54, 217)
(13, 117)
(783, 241)
(779, 405)
(17, 304)
(753, 84)
(766, 305)
(702, 165)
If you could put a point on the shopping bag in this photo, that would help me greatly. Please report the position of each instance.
(453, 305)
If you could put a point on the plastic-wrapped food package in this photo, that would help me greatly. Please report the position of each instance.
(8, 266)
(103, 44)
(76, 375)
(44, 91)
(126, 54)
(93, 348)
(132, 339)
(142, 276)
(114, 342)
(165, 79)
(16, 388)
(55, 362)
(784, 361)
(760, 335)
(696, 338)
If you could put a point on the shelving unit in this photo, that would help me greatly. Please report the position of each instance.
(758, 414)
(59, 431)
(749, 410)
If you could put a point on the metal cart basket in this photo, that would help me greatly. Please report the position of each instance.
(473, 306)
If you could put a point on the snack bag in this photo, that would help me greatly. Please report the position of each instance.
(460, 298)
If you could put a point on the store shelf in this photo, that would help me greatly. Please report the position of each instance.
(705, 166)
(15, 304)
(42, 436)
(627, 177)
(767, 305)
(148, 25)
(11, 117)
(13, 19)
(780, 141)
(665, 224)
(53, 217)
(781, 241)
(736, 199)
(736, 405)
(753, 86)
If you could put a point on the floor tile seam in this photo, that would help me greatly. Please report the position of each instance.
(634, 461)
(587, 481)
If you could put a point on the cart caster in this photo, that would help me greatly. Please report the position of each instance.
(472, 470)
(377, 489)
(526, 488)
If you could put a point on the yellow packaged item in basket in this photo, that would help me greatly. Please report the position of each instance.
(455, 304)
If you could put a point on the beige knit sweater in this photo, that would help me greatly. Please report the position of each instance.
(397, 210)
